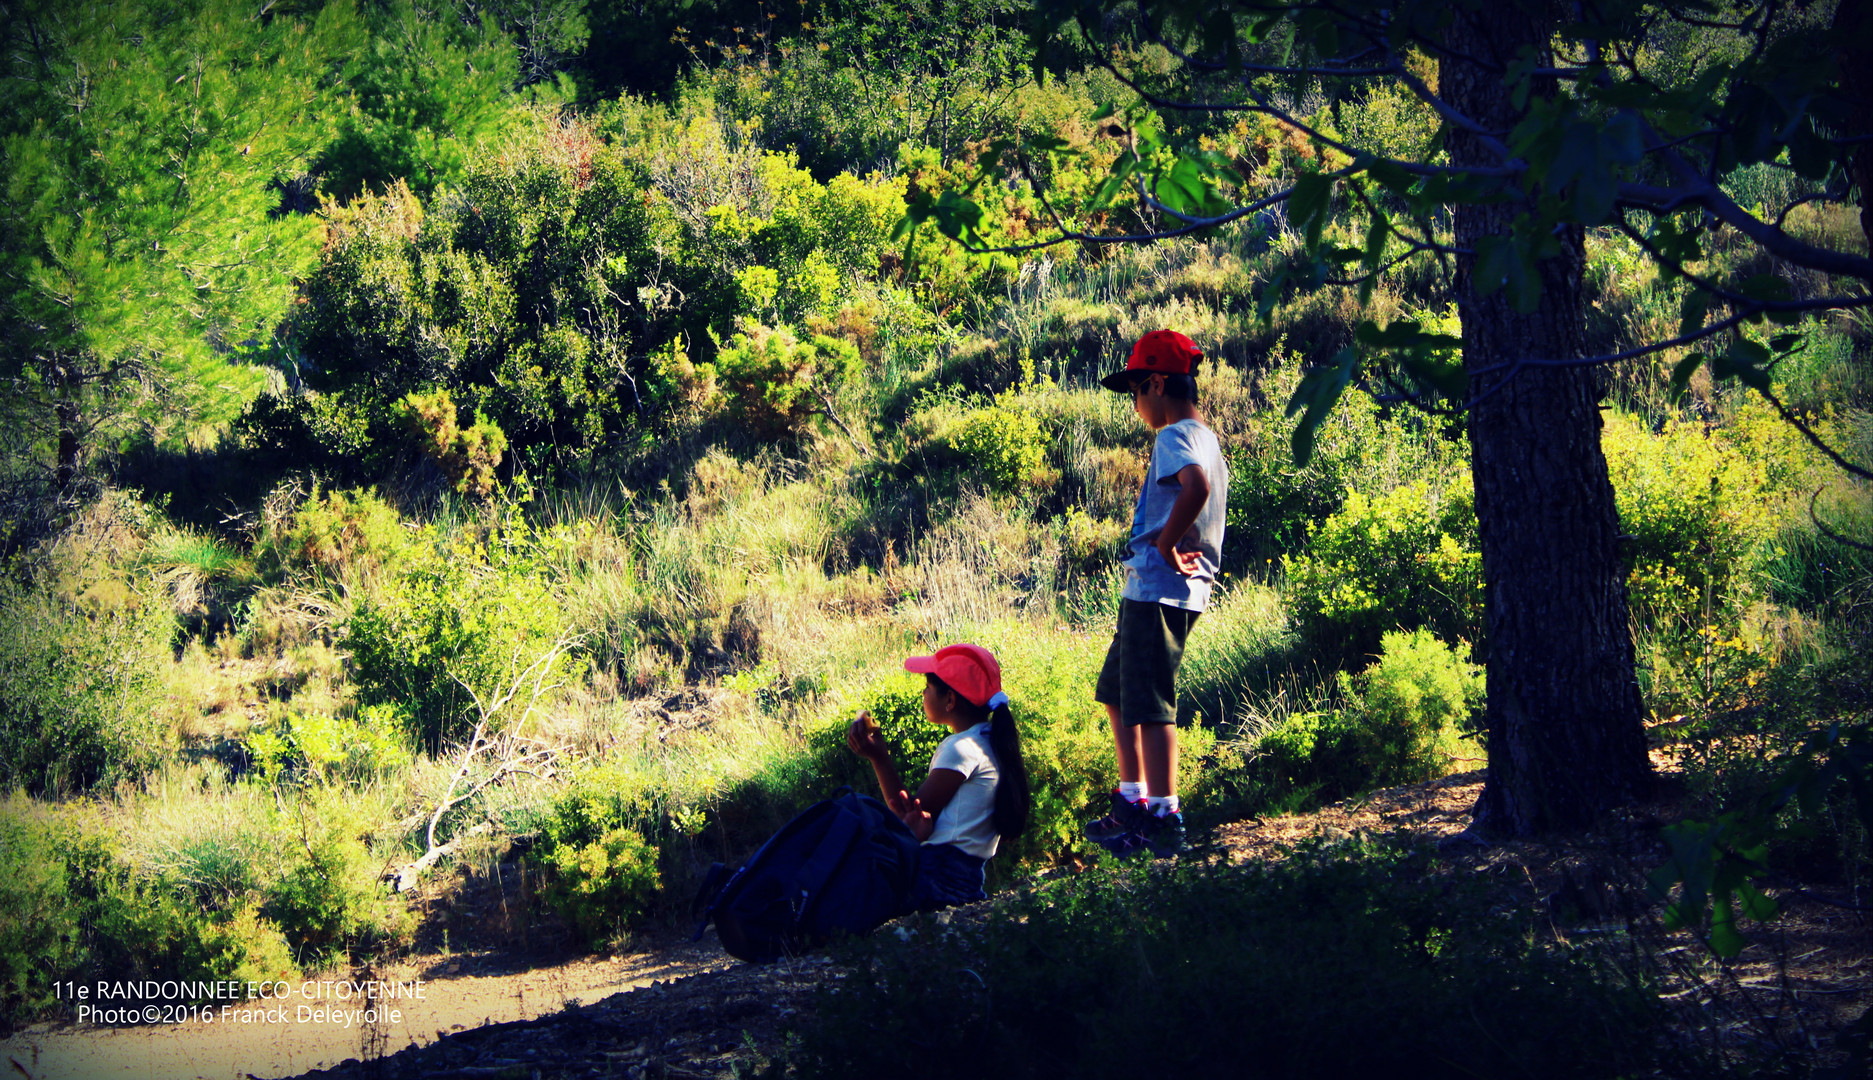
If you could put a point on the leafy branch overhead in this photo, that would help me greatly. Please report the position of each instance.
(1631, 125)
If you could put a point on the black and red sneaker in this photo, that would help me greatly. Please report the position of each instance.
(1126, 818)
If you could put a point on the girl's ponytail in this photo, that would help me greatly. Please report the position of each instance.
(1011, 790)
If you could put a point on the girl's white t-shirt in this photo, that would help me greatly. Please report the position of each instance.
(969, 820)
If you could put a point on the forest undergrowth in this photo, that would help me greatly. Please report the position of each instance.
(597, 481)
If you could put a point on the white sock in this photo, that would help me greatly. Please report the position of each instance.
(1131, 790)
(1161, 805)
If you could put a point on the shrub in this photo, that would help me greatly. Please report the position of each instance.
(1414, 705)
(347, 534)
(1002, 446)
(775, 382)
(1274, 506)
(328, 898)
(321, 747)
(1400, 721)
(1693, 509)
(1404, 560)
(604, 874)
(467, 456)
(78, 685)
(72, 908)
(40, 937)
(1337, 962)
(604, 886)
(492, 296)
(462, 612)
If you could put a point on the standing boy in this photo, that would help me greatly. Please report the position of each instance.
(1170, 564)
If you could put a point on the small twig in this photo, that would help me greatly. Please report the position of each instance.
(1830, 533)
(825, 401)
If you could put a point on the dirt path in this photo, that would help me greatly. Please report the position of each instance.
(686, 1010)
(458, 993)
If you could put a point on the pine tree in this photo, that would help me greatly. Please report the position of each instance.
(141, 264)
(430, 86)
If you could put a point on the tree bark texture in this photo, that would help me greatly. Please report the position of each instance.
(1852, 33)
(1566, 740)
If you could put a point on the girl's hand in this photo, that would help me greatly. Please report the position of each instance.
(916, 818)
(865, 739)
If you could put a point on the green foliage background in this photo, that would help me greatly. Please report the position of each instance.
(353, 357)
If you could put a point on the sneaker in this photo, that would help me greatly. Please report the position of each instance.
(1164, 834)
(1124, 820)
(1124, 845)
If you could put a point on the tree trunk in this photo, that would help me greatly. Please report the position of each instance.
(70, 453)
(1852, 33)
(1565, 737)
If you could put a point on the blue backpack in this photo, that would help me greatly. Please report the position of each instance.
(843, 866)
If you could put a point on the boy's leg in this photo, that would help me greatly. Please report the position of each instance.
(1155, 643)
(1157, 751)
(1118, 826)
(1125, 740)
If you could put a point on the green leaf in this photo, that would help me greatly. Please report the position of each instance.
(1376, 235)
(1725, 941)
(1692, 311)
(1319, 391)
(1392, 177)
(1308, 206)
(1681, 374)
(1756, 905)
(1744, 360)
(1764, 287)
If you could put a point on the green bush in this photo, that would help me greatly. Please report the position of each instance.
(492, 296)
(349, 535)
(72, 908)
(1001, 445)
(604, 886)
(1332, 963)
(1274, 506)
(463, 612)
(1415, 704)
(78, 685)
(1400, 721)
(323, 748)
(467, 456)
(604, 873)
(328, 900)
(1404, 560)
(40, 936)
(1693, 510)
(775, 382)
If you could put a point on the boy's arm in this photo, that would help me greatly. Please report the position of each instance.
(1190, 501)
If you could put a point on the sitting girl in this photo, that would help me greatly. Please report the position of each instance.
(977, 789)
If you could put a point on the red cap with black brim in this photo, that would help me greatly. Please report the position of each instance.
(1161, 352)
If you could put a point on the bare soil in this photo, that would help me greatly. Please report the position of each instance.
(677, 1009)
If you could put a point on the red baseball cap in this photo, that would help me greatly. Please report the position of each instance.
(1161, 352)
(970, 670)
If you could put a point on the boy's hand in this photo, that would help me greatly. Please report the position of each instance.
(865, 739)
(1184, 562)
(1195, 491)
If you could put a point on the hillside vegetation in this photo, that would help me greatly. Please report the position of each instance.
(578, 455)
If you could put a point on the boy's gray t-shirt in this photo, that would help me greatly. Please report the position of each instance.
(1148, 577)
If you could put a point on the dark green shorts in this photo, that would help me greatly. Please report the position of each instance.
(1140, 672)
